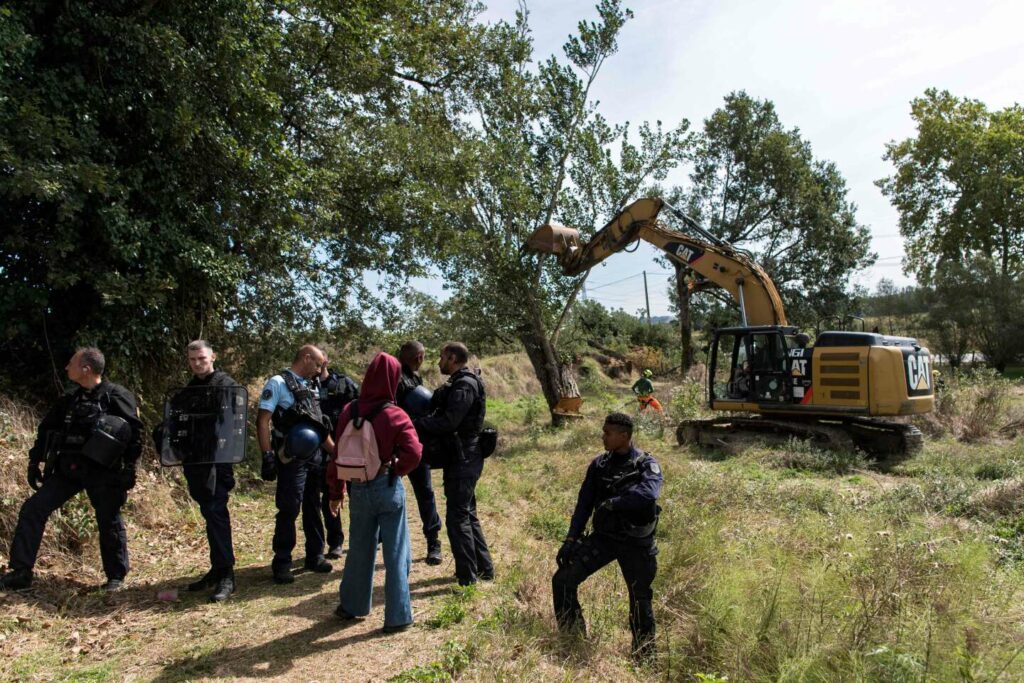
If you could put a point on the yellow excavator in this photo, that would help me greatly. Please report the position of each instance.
(837, 392)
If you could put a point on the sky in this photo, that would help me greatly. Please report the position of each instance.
(843, 72)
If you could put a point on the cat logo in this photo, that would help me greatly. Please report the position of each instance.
(919, 372)
(799, 368)
(684, 252)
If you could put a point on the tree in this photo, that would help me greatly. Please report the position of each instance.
(533, 148)
(757, 185)
(959, 185)
(224, 169)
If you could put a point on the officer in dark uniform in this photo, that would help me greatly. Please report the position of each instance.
(91, 440)
(411, 358)
(459, 408)
(291, 403)
(210, 484)
(337, 390)
(621, 491)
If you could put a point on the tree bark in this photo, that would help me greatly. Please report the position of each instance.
(685, 322)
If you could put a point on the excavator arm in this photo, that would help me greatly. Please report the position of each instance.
(715, 260)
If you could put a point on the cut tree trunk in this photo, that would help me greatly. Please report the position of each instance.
(683, 295)
(556, 379)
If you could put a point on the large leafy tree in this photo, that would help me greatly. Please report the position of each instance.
(959, 185)
(757, 185)
(226, 168)
(532, 149)
(959, 190)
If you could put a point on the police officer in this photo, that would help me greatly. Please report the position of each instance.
(291, 403)
(459, 408)
(411, 357)
(209, 484)
(621, 491)
(336, 391)
(91, 440)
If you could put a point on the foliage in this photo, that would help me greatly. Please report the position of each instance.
(959, 185)
(532, 148)
(185, 169)
(757, 185)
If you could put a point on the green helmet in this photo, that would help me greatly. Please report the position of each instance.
(648, 373)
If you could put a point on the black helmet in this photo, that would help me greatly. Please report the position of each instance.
(417, 401)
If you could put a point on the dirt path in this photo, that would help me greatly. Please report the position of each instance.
(64, 629)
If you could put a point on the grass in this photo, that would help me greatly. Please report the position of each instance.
(776, 563)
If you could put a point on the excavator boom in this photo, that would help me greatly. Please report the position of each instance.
(716, 261)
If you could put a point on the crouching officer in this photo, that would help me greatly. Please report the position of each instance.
(292, 456)
(337, 390)
(621, 491)
(209, 484)
(91, 440)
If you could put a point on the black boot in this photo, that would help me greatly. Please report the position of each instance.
(209, 580)
(16, 580)
(225, 587)
(318, 565)
(434, 551)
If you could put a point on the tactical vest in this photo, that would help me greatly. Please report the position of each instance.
(473, 422)
(614, 479)
(83, 412)
(336, 392)
(306, 408)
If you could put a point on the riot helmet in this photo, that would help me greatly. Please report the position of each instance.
(109, 438)
(417, 401)
(301, 443)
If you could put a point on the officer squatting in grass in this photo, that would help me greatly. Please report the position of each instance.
(91, 440)
(620, 491)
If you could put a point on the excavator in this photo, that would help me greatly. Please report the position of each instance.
(839, 392)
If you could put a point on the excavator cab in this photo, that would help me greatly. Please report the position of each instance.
(750, 365)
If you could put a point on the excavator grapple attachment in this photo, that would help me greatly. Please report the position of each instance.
(553, 238)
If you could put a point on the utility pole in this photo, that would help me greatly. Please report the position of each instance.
(647, 299)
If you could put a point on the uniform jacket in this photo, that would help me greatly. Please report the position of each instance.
(637, 498)
(459, 410)
(408, 381)
(119, 402)
(392, 428)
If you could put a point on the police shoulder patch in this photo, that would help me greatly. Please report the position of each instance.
(267, 393)
(654, 467)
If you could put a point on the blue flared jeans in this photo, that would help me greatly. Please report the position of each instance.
(377, 510)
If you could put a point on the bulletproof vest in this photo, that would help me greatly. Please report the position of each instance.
(84, 410)
(305, 409)
(336, 392)
(217, 378)
(616, 476)
(474, 420)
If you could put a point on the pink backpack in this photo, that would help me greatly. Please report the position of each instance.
(356, 456)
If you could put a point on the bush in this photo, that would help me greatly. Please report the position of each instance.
(972, 407)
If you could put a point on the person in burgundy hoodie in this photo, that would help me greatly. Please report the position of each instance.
(377, 507)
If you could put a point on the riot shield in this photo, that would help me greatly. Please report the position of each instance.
(204, 425)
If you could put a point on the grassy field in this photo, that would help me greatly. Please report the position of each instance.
(776, 564)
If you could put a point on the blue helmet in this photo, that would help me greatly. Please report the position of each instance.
(417, 401)
(302, 442)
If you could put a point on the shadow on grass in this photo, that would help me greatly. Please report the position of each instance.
(266, 659)
(68, 597)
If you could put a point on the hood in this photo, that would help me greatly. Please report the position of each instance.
(381, 380)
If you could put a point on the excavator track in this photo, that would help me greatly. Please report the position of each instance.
(885, 442)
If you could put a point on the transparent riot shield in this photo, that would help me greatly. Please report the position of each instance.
(204, 425)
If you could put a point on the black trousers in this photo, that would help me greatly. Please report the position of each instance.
(209, 486)
(330, 529)
(294, 495)
(423, 488)
(107, 497)
(469, 547)
(638, 564)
